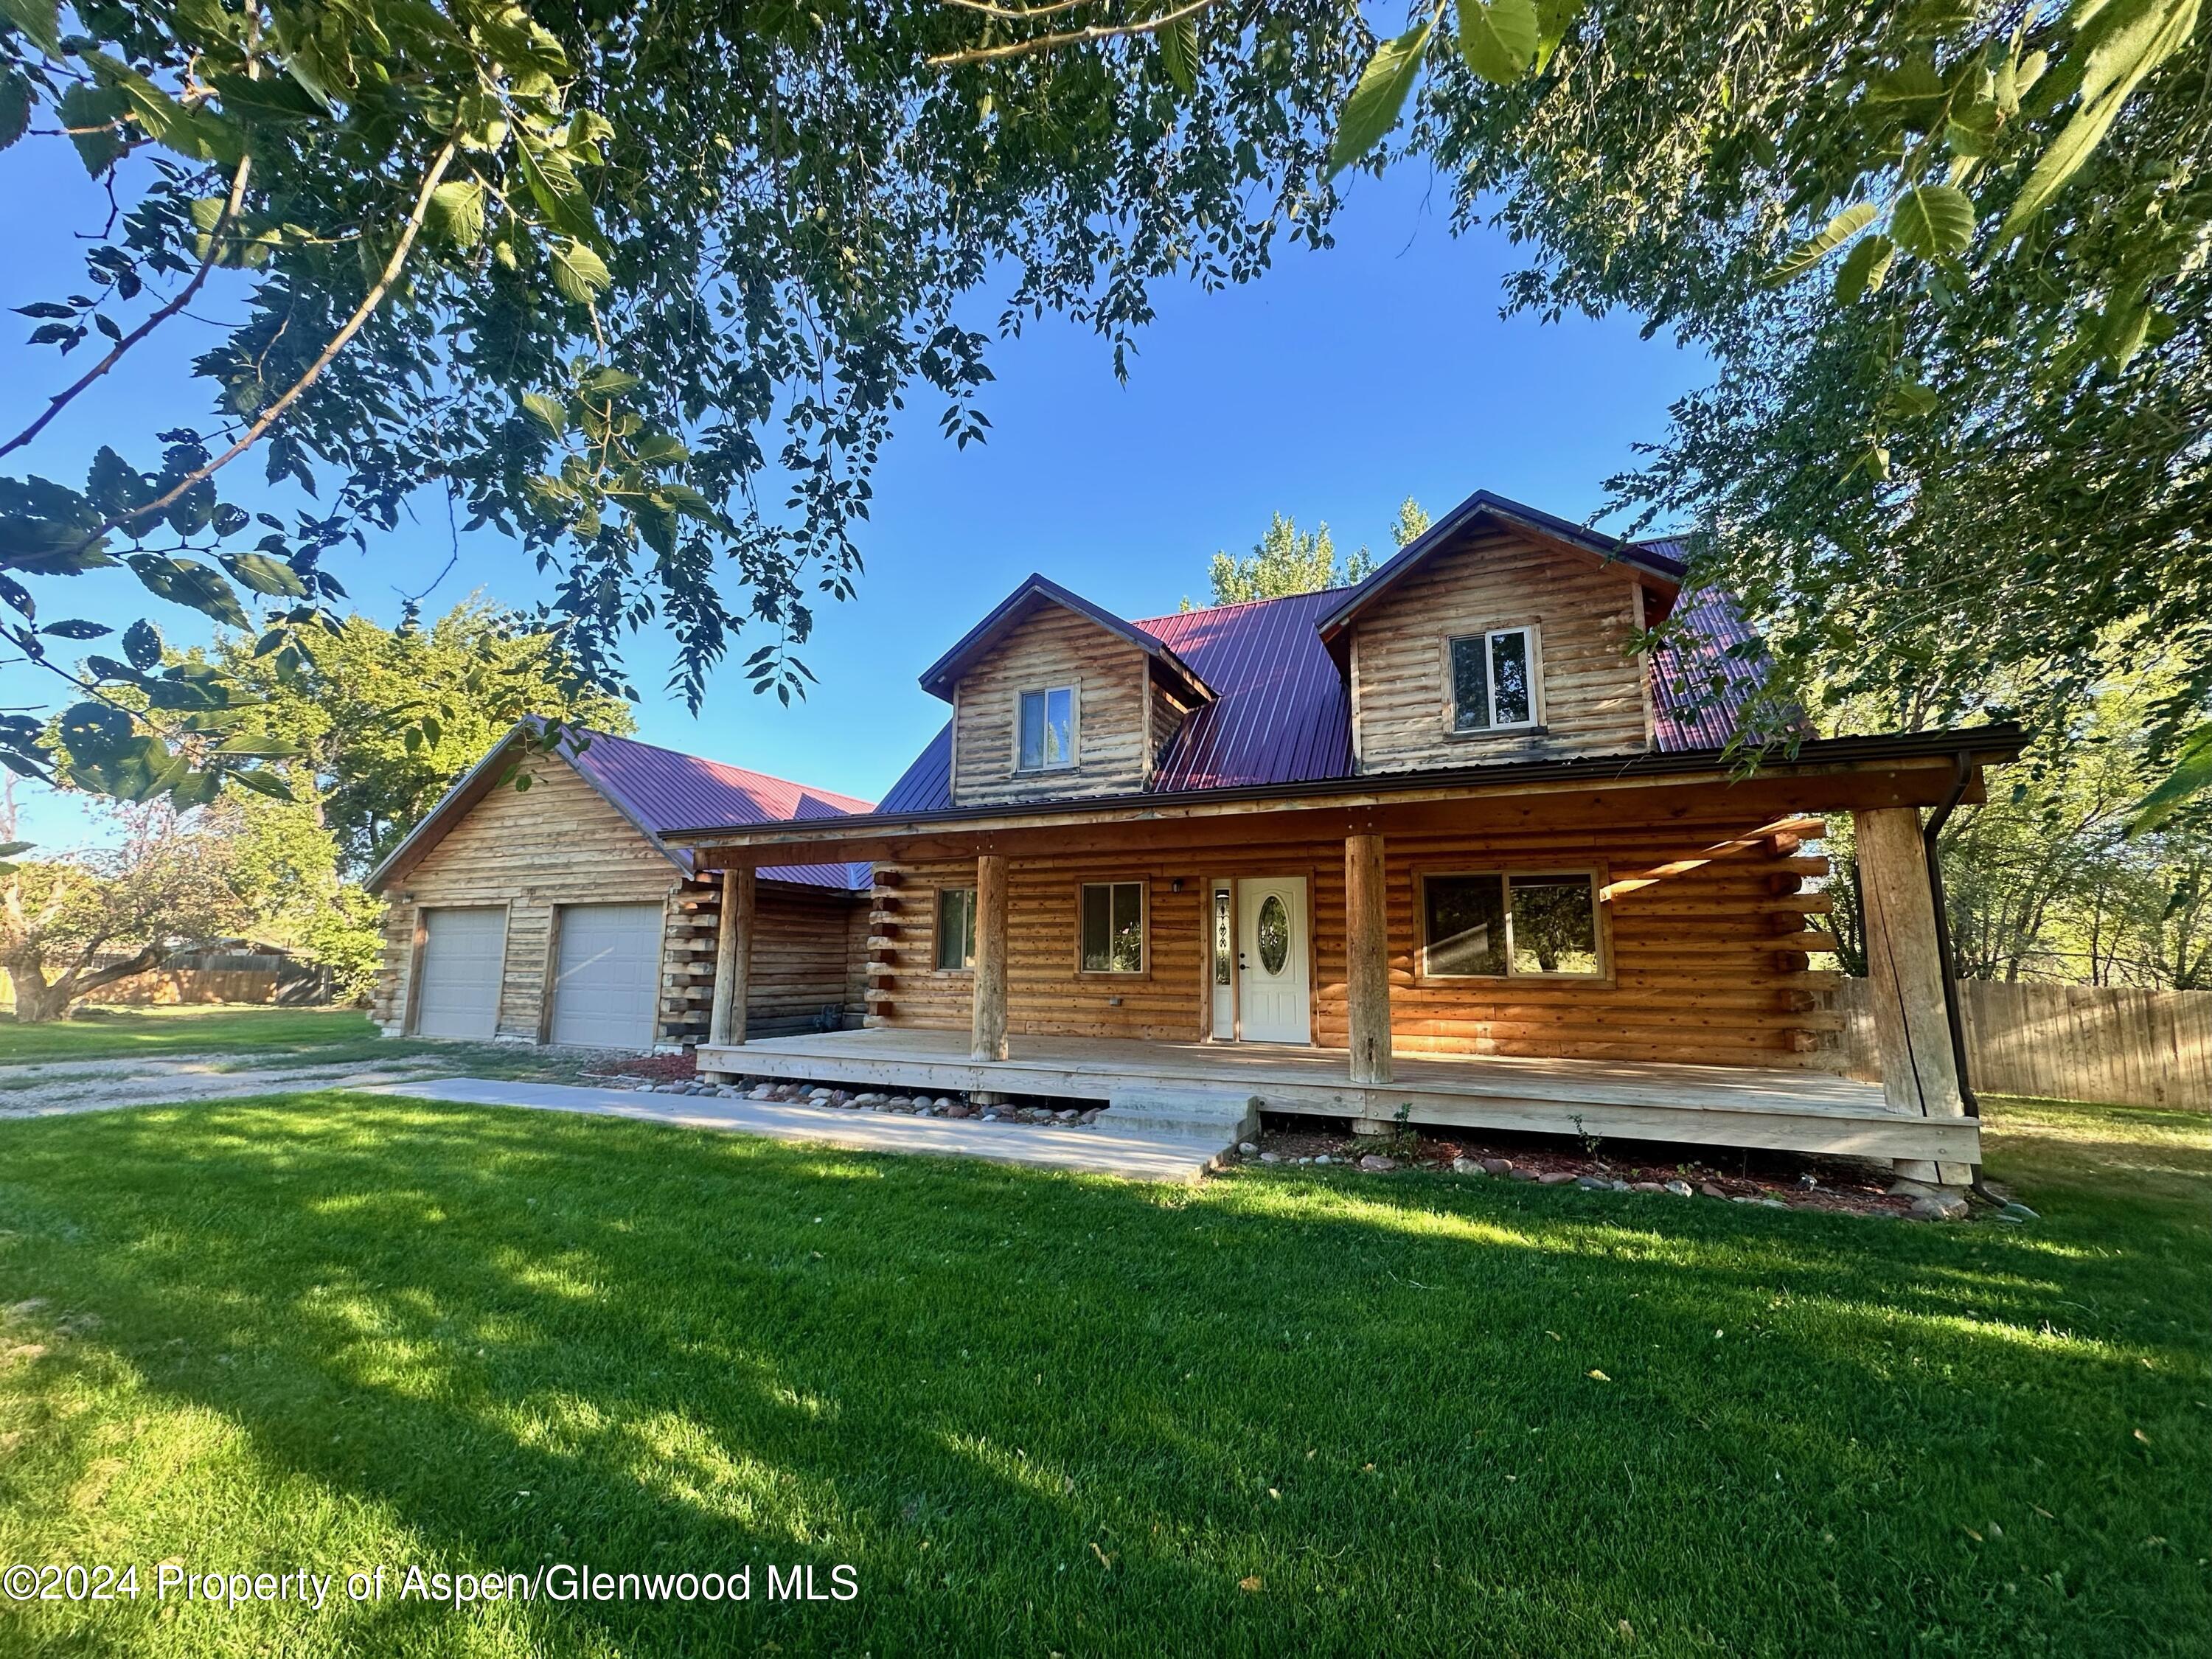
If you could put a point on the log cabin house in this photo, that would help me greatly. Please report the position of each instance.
(557, 913)
(1439, 847)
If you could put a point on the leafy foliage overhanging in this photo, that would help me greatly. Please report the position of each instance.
(642, 285)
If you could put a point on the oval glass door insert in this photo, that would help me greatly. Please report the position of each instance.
(1274, 926)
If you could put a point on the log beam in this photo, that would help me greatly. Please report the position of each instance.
(1367, 947)
(1912, 1031)
(733, 949)
(989, 980)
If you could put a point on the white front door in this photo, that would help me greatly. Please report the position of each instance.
(1274, 983)
(607, 988)
(463, 952)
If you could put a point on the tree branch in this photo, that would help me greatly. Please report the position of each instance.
(63, 399)
(270, 416)
(1018, 14)
(1069, 38)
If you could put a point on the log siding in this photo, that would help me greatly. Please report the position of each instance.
(1053, 647)
(1591, 696)
(1707, 965)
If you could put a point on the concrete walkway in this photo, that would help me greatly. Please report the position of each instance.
(1088, 1150)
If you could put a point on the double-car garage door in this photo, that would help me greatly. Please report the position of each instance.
(606, 978)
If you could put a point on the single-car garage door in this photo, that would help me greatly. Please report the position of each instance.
(608, 987)
(463, 954)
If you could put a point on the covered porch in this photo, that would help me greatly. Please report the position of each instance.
(1790, 1109)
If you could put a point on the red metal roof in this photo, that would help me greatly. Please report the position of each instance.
(663, 789)
(1281, 713)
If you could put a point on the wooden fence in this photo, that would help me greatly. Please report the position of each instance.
(2096, 1043)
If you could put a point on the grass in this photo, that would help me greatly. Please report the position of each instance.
(1289, 1412)
(146, 1033)
(242, 1037)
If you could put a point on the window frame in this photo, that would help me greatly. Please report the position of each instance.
(1074, 761)
(1144, 969)
(937, 929)
(1596, 874)
(1534, 634)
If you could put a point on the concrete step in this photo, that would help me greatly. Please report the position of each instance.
(1222, 1117)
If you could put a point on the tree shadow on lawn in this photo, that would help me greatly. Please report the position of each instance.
(1045, 1412)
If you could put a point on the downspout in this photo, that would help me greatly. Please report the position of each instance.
(1954, 1011)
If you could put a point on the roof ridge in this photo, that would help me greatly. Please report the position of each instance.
(1243, 605)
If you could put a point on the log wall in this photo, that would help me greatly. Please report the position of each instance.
(1707, 963)
(1052, 647)
(1592, 701)
(561, 842)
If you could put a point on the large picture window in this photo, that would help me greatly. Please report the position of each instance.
(1498, 925)
(956, 929)
(1493, 678)
(1047, 720)
(1113, 927)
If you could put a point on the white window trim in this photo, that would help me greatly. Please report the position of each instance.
(1535, 720)
(1596, 877)
(1075, 728)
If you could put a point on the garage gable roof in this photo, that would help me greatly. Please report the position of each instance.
(658, 790)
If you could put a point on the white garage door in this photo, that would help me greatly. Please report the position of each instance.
(463, 953)
(606, 992)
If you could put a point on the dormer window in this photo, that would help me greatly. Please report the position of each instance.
(1493, 680)
(1048, 729)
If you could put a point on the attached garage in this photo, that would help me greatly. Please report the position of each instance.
(606, 991)
(558, 914)
(463, 951)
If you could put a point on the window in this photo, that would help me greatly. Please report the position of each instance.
(1484, 926)
(956, 929)
(1493, 680)
(1113, 928)
(1048, 729)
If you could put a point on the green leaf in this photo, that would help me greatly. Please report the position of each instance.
(259, 746)
(90, 112)
(262, 782)
(1823, 242)
(1864, 267)
(16, 99)
(40, 21)
(74, 627)
(2126, 42)
(458, 210)
(9, 849)
(1933, 219)
(549, 412)
(1179, 52)
(141, 643)
(1374, 106)
(186, 582)
(609, 383)
(270, 98)
(577, 272)
(1553, 19)
(1498, 40)
(2190, 777)
(263, 574)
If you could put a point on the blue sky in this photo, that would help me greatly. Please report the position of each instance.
(1332, 389)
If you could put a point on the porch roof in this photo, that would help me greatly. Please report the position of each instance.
(1834, 774)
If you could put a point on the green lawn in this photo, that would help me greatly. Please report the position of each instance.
(1318, 1413)
(224, 1027)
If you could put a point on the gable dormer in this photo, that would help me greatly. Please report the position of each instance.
(1502, 633)
(1054, 699)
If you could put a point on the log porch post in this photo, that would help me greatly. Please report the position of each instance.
(1904, 971)
(1367, 964)
(734, 954)
(989, 977)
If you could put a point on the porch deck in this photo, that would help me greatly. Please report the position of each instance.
(1779, 1108)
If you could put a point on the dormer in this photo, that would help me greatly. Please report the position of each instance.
(1054, 699)
(1501, 634)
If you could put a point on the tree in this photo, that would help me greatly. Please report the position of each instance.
(71, 925)
(1288, 560)
(382, 720)
(1411, 521)
(617, 280)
